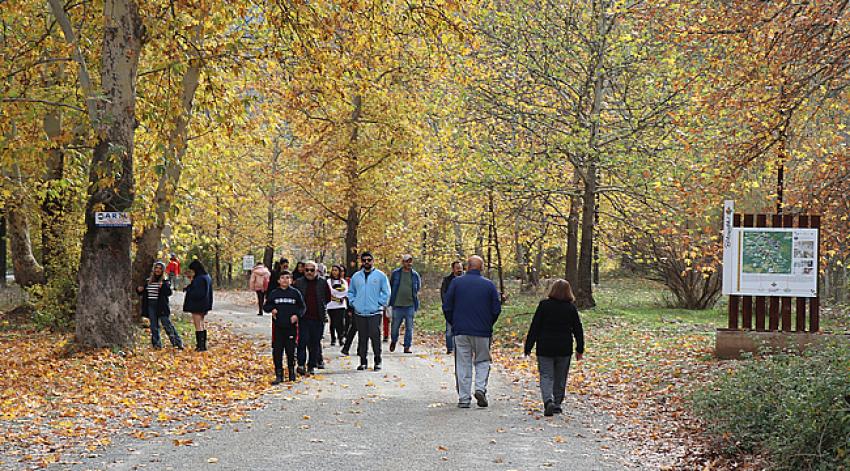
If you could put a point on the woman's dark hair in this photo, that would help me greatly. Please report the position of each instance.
(299, 265)
(197, 267)
(340, 270)
(562, 291)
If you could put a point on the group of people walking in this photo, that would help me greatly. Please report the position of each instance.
(303, 300)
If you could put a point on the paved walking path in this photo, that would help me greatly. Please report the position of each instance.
(404, 417)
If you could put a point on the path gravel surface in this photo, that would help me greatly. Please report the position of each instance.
(402, 418)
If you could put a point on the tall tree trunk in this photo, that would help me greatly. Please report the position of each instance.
(584, 286)
(352, 219)
(495, 233)
(3, 251)
(103, 305)
(571, 273)
(55, 202)
(150, 241)
(458, 232)
(26, 268)
(520, 257)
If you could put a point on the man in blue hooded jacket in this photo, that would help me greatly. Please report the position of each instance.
(472, 305)
(368, 294)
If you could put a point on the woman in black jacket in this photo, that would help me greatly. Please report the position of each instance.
(155, 294)
(553, 328)
(199, 301)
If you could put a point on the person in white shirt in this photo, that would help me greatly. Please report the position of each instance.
(337, 305)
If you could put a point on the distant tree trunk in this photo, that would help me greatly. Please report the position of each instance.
(103, 305)
(268, 252)
(571, 273)
(458, 232)
(55, 202)
(492, 207)
(149, 242)
(519, 252)
(584, 287)
(3, 252)
(352, 219)
(26, 268)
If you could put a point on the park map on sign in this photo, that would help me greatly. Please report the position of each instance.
(767, 252)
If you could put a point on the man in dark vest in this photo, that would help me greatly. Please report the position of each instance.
(316, 296)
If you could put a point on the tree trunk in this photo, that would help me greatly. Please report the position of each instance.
(103, 317)
(571, 273)
(149, 242)
(3, 252)
(495, 234)
(352, 219)
(55, 202)
(26, 268)
(458, 232)
(584, 286)
(519, 253)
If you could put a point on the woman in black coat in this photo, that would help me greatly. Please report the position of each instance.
(556, 322)
(199, 301)
(155, 294)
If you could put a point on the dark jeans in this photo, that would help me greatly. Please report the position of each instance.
(337, 326)
(283, 340)
(261, 298)
(173, 336)
(350, 331)
(553, 378)
(450, 343)
(310, 341)
(368, 328)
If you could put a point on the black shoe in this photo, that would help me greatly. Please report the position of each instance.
(463, 405)
(300, 370)
(259, 313)
(333, 343)
(362, 368)
(277, 379)
(377, 367)
(558, 410)
(386, 339)
(392, 346)
(292, 378)
(344, 353)
(311, 371)
(321, 366)
(449, 352)
(549, 409)
(481, 398)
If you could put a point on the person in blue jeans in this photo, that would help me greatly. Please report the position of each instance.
(155, 294)
(404, 301)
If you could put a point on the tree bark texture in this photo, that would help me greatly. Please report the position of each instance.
(352, 219)
(26, 268)
(104, 310)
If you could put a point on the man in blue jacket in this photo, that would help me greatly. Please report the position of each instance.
(368, 294)
(472, 305)
(404, 300)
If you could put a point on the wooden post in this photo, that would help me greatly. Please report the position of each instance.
(814, 303)
(773, 309)
(785, 302)
(802, 223)
(734, 301)
(761, 301)
(747, 301)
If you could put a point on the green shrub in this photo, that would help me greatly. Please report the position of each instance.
(795, 409)
(55, 302)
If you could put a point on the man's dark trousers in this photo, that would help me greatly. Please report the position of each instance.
(309, 341)
(368, 328)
